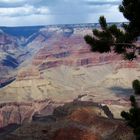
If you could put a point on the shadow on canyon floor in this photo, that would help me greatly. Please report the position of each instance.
(8, 129)
(120, 91)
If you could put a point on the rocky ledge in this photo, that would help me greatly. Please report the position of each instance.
(77, 120)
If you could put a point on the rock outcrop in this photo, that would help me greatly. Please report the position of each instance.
(20, 113)
(74, 121)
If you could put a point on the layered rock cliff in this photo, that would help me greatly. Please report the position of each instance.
(52, 66)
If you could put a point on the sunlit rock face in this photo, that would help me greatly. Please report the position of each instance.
(20, 113)
(44, 67)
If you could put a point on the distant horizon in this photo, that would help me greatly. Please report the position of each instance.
(59, 24)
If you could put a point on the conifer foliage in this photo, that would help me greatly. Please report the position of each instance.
(131, 11)
(136, 86)
(120, 40)
(132, 117)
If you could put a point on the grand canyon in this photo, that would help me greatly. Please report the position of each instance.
(52, 87)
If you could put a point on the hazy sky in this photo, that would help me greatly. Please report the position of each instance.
(44, 12)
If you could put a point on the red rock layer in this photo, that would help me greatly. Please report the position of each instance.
(73, 133)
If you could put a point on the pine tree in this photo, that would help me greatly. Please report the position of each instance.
(136, 86)
(132, 117)
(120, 40)
(131, 11)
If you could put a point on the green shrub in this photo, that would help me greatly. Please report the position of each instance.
(136, 86)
